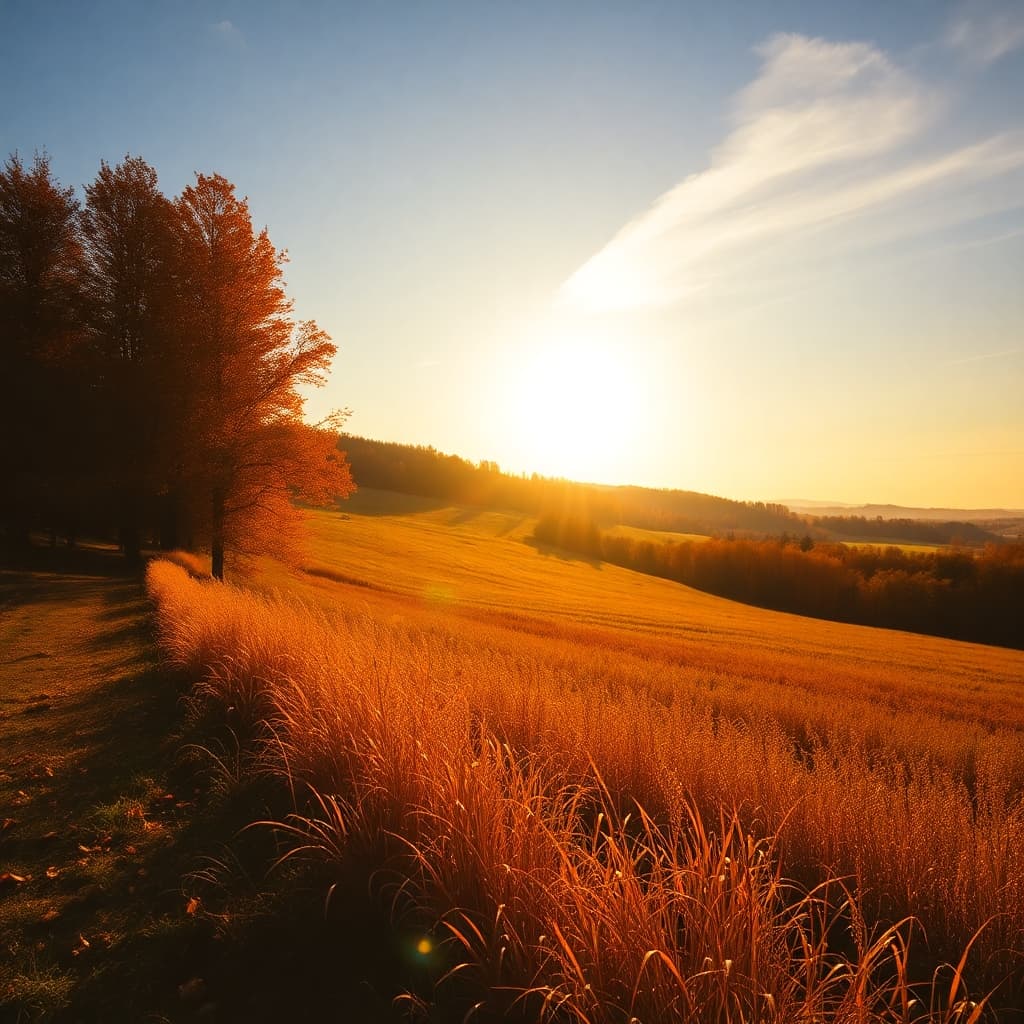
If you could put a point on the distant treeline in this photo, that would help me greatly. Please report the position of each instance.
(913, 531)
(424, 471)
(967, 595)
(427, 472)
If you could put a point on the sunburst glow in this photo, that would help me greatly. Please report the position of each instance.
(575, 401)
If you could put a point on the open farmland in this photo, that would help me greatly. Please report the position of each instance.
(470, 709)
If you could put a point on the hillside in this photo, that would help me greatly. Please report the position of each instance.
(872, 511)
(424, 471)
(463, 724)
(387, 552)
(892, 757)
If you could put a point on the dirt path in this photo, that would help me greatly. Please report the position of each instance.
(102, 829)
(89, 871)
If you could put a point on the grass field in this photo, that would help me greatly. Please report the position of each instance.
(903, 546)
(655, 536)
(491, 703)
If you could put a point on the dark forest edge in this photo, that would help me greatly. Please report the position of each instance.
(424, 471)
(966, 595)
(152, 367)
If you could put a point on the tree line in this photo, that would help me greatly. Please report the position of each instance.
(152, 363)
(914, 531)
(968, 595)
(427, 472)
(424, 471)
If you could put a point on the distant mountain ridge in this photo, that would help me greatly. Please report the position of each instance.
(885, 511)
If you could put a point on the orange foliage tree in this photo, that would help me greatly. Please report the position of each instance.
(249, 452)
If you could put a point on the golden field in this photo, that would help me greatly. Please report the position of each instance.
(607, 797)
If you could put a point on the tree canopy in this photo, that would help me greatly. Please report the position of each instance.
(155, 363)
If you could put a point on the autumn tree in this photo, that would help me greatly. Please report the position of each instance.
(127, 233)
(250, 453)
(40, 273)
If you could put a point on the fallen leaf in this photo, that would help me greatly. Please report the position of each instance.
(192, 906)
(50, 915)
(130, 850)
(10, 878)
(8, 823)
(50, 835)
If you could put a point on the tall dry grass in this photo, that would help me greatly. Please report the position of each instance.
(590, 844)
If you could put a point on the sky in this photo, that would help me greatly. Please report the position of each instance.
(758, 250)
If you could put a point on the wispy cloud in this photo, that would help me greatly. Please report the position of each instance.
(820, 137)
(984, 32)
(1001, 354)
(227, 32)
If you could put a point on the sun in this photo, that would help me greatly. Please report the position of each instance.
(576, 403)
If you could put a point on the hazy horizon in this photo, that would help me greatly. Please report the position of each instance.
(746, 254)
(791, 501)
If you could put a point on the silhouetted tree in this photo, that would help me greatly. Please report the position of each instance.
(127, 233)
(40, 273)
(249, 451)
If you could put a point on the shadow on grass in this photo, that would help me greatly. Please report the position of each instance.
(110, 824)
(562, 554)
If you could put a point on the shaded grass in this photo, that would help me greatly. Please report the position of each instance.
(112, 828)
(84, 778)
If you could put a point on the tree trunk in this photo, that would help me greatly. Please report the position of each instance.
(217, 536)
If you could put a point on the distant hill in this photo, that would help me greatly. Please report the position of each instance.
(901, 531)
(962, 515)
(428, 473)
(922, 525)
(424, 471)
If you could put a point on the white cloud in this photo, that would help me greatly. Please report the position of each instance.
(820, 137)
(227, 32)
(984, 33)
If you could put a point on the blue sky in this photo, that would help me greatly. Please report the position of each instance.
(767, 250)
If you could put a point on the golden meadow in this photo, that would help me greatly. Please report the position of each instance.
(605, 797)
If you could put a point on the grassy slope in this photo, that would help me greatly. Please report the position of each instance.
(543, 621)
(80, 698)
(477, 565)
